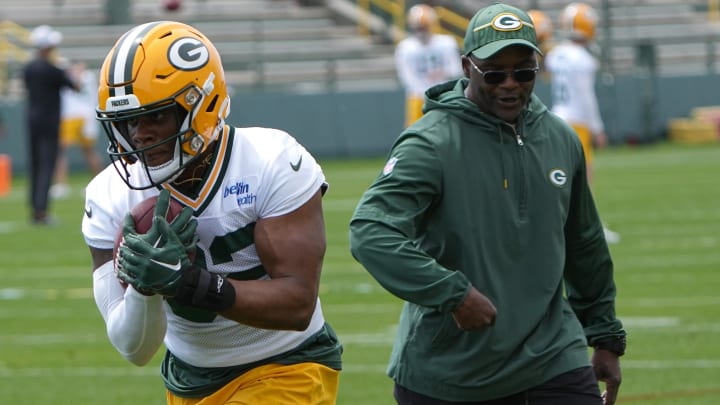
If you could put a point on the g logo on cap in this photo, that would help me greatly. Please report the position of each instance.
(188, 54)
(507, 22)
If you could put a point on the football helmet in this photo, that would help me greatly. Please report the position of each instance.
(156, 68)
(421, 17)
(543, 25)
(579, 21)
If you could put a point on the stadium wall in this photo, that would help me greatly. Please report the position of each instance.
(365, 123)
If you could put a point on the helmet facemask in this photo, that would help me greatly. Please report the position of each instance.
(120, 127)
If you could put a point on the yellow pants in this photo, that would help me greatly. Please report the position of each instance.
(413, 109)
(71, 133)
(586, 140)
(276, 384)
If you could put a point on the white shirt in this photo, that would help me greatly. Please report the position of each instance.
(573, 69)
(421, 66)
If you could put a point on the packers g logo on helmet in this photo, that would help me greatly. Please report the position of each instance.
(188, 54)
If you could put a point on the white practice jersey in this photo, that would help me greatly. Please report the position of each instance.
(573, 69)
(257, 173)
(421, 66)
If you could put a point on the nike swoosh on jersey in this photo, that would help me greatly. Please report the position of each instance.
(88, 212)
(175, 267)
(296, 166)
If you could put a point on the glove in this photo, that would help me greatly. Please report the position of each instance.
(152, 262)
(184, 225)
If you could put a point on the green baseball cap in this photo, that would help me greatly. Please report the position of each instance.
(496, 27)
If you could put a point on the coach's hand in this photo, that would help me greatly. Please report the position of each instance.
(153, 262)
(475, 312)
(606, 365)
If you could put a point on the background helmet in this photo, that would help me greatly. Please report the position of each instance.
(421, 17)
(162, 66)
(579, 21)
(543, 25)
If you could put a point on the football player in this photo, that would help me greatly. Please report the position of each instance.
(572, 69)
(544, 30)
(424, 59)
(242, 323)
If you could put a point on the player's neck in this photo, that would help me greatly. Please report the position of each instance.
(192, 178)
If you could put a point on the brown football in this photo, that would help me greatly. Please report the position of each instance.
(143, 213)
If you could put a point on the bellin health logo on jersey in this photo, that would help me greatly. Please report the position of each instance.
(242, 192)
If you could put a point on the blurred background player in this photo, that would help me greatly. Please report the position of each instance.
(572, 68)
(77, 126)
(424, 59)
(43, 82)
(544, 30)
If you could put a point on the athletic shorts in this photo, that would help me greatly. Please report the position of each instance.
(277, 384)
(413, 109)
(586, 140)
(72, 132)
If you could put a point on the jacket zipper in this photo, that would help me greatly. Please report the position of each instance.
(521, 173)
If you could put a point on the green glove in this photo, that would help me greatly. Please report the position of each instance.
(152, 262)
(184, 225)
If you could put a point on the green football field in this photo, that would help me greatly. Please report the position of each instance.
(663, 199)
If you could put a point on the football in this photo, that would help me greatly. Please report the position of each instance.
(143, 213)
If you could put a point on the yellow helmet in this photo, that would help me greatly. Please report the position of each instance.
(421, 17)
(543, 25)
(162, 66)
(579, 20)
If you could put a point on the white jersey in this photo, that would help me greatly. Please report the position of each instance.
(573, 69)
(257, 173)
(421, 66)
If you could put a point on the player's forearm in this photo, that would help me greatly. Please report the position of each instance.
(281, 304)
(135, 323)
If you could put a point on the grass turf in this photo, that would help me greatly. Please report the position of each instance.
(663, 199)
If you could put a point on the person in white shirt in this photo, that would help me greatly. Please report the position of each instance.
(424, 59)
(572, 69)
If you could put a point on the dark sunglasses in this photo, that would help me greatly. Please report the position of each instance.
(499, 76)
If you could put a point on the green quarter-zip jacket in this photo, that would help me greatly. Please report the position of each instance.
(467, 199)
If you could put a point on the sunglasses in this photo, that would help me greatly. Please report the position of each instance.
(499, 76)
